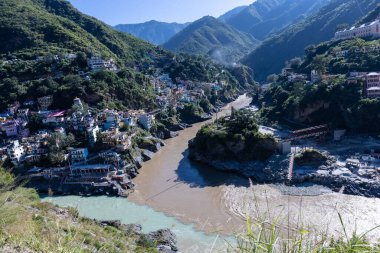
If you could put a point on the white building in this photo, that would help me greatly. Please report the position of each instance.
(371, 29)
(315, 76)
(146, 121)
(15, 152)
(97, 63)
(92, 135)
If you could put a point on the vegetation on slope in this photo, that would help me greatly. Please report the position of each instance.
(209, 36)
(340, 57)
(269, 57)
(233, 138)
(33, 28)
(29, 225)
(333, 101)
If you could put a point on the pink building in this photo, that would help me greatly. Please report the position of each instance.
(373, 85)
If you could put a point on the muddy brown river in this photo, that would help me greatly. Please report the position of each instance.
(218, 202)
(172, 192)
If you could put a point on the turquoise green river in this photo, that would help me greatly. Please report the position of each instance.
(113, 208)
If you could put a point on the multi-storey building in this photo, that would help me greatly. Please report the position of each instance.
(146, 121)
(372, 88)
(15, 152)
(371, 29)
(78, 155)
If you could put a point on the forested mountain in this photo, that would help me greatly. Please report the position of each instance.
(209, 36)
(267, 16)
(33, 28)
(337, 98)
(226, 16)
(270, 56)
(335, 101)
(152, 31)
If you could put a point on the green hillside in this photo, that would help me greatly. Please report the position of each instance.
(29, 225)
(341, 57)
(39, 27)
(33, 28)
(333, 101)
(270, 56)
(209, 36)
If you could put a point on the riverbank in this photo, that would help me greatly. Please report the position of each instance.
(172, 184)
(189, 240)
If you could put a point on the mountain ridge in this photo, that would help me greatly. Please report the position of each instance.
(291, 42)
(267, 16)
(209, 36)
(152, 31)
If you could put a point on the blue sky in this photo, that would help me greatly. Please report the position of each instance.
(136, 11)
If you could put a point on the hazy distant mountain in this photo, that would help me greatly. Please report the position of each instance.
(210, 36)
(270, 56)
(152, 31)
(266, 16)
(231, 13)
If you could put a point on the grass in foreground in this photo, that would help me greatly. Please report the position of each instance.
(271, 237)
(29, 225)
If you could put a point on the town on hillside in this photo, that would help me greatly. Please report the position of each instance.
(83, 150)
(323, 116)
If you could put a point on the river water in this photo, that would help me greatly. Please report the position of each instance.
(171, 191)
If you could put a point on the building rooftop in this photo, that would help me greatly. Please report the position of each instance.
(373, 88)
(361, 26)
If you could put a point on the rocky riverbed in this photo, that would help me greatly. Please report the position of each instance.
(165, 239)
(337, 176)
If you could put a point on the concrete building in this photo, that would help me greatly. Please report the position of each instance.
(315, 76)
(92, 135)
(12, 109)
(88, 171)
(45, 102)
(287, 71)
(115, 139)
(372, 88)
(146, 121)
(54, 119)
(373, 92)
(78, 103)
(297, 78)
(10, 128)
(23, 114)
(371, 29)
(97, 63)
(78, 155)
(15, 152)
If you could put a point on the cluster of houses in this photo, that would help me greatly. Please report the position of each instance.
(105, 128)
(368, 49)
(369, 30)
(371, 81)
(170, 94)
